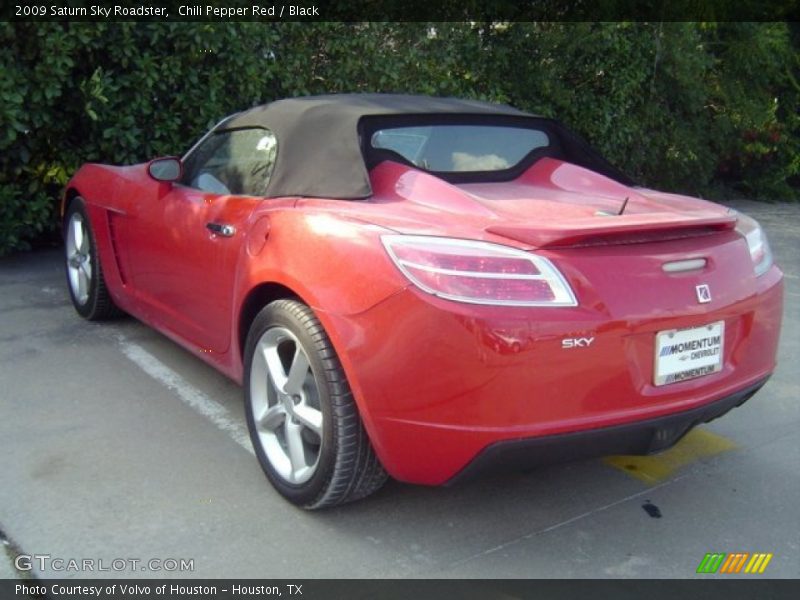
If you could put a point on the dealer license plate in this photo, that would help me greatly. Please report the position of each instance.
(683, 354)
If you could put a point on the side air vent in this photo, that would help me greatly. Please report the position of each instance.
(113, 226)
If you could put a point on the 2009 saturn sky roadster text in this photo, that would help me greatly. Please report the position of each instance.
(428, 288)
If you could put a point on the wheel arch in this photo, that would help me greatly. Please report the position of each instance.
(256, 299)
(70, 194)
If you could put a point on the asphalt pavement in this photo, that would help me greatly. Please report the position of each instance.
(117, 444)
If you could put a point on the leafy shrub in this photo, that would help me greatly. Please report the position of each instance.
(692, 107)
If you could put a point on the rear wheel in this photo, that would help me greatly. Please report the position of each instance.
(303, 422)
(87, 287)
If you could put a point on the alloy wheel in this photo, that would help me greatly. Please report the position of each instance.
(79, 258)
(286, 405)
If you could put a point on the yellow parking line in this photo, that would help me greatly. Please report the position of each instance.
(697, 444)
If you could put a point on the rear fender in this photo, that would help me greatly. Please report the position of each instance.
(335, 265)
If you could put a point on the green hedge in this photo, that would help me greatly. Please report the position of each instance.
(701, 108)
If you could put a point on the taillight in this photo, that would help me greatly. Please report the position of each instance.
(478, 272)
(757, 243)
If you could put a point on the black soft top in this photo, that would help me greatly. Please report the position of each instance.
(319, 146)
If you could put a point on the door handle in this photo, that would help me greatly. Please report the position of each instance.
(221, 229)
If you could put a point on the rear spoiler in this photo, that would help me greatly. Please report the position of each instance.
(622, 229)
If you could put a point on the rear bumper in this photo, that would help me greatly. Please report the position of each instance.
(642, 437)
(438, 382)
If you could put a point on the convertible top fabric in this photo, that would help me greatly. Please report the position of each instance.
(319, 150)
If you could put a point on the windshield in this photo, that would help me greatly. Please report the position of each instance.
(460, 148)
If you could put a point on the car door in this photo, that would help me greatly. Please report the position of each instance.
(189, 238)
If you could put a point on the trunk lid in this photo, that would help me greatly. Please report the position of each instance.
(552, 204)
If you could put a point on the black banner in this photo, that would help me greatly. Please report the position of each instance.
(404, 10)
(734, 588)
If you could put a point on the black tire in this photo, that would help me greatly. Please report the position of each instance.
(95, 303)
(347, 468)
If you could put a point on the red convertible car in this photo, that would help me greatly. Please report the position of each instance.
(428, 288)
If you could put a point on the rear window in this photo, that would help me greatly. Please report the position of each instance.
(448, 148)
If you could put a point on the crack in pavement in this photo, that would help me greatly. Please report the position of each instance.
(12, 551)
(560, 524)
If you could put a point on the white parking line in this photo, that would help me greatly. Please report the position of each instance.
(190, 395)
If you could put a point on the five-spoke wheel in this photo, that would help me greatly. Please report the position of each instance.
(286, 405)
(87, 286)
(303, 421)
(79, 259)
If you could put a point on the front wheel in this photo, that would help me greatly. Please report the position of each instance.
(87, 286)
(302, 418)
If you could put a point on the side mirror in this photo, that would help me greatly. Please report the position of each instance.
(167, 169)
